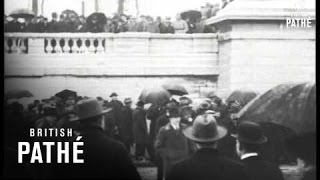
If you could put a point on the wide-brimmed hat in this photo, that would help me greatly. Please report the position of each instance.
(205, 129)
(189, 101)
(113, 94)
(204, 105)
(89, 108)
(251, 133)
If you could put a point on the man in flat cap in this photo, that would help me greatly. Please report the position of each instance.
(206, 162)
(103, 157)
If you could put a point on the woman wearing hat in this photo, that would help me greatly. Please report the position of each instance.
(206, 162)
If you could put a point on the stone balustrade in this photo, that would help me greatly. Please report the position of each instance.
(101, 43)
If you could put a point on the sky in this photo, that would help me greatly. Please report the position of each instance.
(147, 7)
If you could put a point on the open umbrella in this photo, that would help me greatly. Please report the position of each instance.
(155, 95)
(289, 105)
(100, 17)
(175, 89)
(194, 15)
(68, 14)
(18, 93)
(283, 111)
(242, 96)
(65, 94)
(22, 13)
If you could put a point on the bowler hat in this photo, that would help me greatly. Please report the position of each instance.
(113, 94)
(205, 129)
(89, 108)
(251, 133)
(204, 105)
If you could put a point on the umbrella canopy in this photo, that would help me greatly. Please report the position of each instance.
(100, 17)
(68, 14)
(18, 93)
(242, 96)
(175, 89)
(22, 13)
(156, 95)
(289, 105)
(65, 94)
(194, 15)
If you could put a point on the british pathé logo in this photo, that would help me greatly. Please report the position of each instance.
(298, 18)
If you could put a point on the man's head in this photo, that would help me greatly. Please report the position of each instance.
(114, 96)
(249, 138)
(127, 102)
(54, 16)
(140, 104)
(205, 131)
(174, 115)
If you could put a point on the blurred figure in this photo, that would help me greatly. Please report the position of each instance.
(142, 24)
(170, 142)
(191, 26)
(140, 131)
(133, 25)
(152, 26)
(126, 127)
(180, 25)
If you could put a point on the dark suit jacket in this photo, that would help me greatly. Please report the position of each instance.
(208, 164)
(103, 158)
(259, 169)
(140, 131)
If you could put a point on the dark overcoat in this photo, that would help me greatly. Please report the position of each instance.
(259, 169)
(103, 158)
(207, 164)
(140, 131)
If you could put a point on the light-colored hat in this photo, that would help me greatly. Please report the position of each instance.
(9, 18)
(89, 108)
(205, 129)
(21, 20)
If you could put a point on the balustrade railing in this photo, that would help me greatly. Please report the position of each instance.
(100, 43)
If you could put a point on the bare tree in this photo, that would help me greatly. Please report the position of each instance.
(42, 6)
(137, 7)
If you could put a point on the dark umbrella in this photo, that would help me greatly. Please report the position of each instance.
(289, 105)
(18, 93)
(194, 15)
(69, 13)
(283, 111)
(101, 18)
(242, 96)
(156, 95)
(175, 89)
(65, 94)
(22, 13)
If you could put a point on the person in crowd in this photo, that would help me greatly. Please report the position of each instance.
(167, 28)
(32, 26)
(180, 25)
(152, 27)
(132, 24)
(170, 142)
(123, 23)
(41, 26)
(203, 107)
(116, 106)
(53, 24)
(249, 140)
(207, 162)
(126, 129)
(103, 156)
(191, 26)
(140, 131)
(81, 24)
(142, 24)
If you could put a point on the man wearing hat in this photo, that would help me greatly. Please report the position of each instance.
(170, 142)
(126, 131)
(249, 140)
(103, 157)
(117, 107)
(206, 162)
(140, 131)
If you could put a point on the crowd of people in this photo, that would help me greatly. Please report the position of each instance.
(116, 24)
(180, 140)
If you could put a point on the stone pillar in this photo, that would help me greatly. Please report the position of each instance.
(36, 46)
(257, 47)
